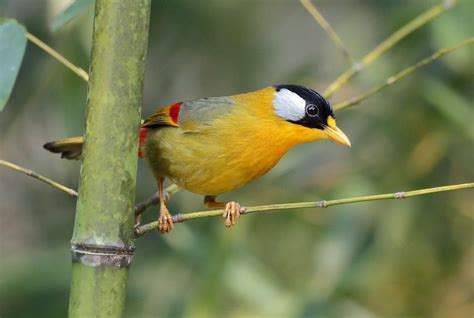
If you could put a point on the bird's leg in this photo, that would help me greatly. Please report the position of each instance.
(165, 220)
(138, 221)
(232, 210)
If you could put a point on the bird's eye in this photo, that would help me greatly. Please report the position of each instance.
(312, 110)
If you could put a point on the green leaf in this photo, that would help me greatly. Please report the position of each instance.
(12, 47)
(70, 13)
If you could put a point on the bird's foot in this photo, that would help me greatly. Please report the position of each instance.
(138, 221)
(232, 212)
(165, 221)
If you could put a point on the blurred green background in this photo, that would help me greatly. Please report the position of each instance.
(409, 258)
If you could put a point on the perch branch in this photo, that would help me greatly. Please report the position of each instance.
(35, 175)
(61, 59)
(311, 8)
(405, 72)
(300, 205)
(388, 43)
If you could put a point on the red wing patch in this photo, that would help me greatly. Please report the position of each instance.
(143, 133)
(167, 116)
(174, 112)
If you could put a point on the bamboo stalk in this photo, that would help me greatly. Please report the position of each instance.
(311, 8)
(302, 205)
(405, 72)
(61, 59)
(102, 243)
(39, 177)
(388, 43)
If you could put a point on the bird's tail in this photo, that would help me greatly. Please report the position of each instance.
(69, 148)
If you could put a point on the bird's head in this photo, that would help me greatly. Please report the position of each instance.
(305, 107)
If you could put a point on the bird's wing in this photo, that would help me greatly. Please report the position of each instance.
(191, 116)
(167, 116)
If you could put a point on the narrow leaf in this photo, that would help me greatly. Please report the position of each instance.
(70, 13)
(12, 47)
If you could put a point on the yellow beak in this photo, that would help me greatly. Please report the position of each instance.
(335, 133)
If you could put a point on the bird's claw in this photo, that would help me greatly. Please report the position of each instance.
(136, 226)
(232, 212)
(165, 221)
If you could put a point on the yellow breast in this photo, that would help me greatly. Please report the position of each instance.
(233, 151)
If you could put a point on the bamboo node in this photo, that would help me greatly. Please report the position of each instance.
(400, 195)
(94, 255)
(447, 4)
(358, 66)
(322, 204)
(177, 218)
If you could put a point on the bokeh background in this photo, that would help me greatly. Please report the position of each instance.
(408, 258)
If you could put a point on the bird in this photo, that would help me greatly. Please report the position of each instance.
(214, 145)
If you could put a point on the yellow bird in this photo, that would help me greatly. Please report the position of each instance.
(214, 145)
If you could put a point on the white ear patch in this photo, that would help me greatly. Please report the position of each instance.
(289, 105)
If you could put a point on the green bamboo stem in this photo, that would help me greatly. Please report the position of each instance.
(39, 177)
(61, 59)
(301, 205)
(387, 44)
(102, 242)
(400, 75)
(311, 8)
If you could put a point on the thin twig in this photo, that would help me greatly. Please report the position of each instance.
(61, 59)
(139, 208)
(388, 43)
(311, 8)
(299, 205)
(35, 175)
(155, 199)
(405, 72)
